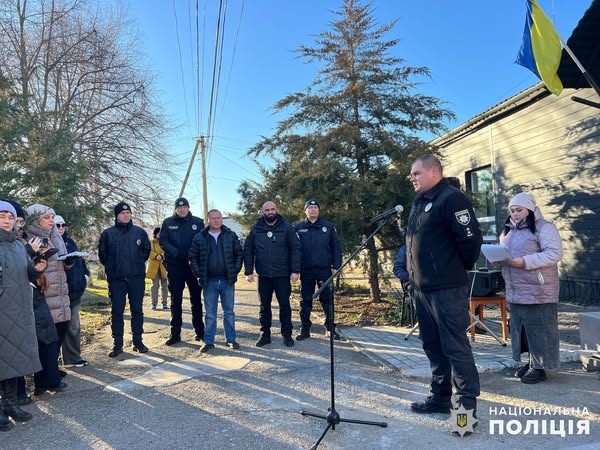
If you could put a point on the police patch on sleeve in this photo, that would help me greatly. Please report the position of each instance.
(463, 217)
(324, 229)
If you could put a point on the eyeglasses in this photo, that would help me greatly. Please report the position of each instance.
(61, 225)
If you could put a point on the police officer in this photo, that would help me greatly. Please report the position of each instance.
(443, 241)
(321, 258)
(274, 249)
(176, 235)
(123, 250)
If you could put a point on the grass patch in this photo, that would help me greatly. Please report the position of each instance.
(95, 311)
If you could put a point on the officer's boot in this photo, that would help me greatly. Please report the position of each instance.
(304, 334)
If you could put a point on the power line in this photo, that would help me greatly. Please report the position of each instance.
(181, 63)
(233, 55)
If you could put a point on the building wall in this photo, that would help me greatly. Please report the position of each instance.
(550, 148)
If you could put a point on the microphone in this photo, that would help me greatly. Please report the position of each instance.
(385, 215)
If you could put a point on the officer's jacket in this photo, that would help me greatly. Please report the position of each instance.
(124, 249)
(274, 249)
(320, 245)
(176, 235)
(443, 238)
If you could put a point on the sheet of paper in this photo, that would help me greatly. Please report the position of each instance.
(82, 254)
(495, 252)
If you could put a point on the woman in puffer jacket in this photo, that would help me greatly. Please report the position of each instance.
(532, 287)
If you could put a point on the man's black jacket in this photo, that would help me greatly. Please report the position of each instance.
(321, 247)
(232, 252)
(176, 235)
(273, 249)
(124, 249)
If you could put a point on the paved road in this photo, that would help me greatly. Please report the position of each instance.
(173, 397)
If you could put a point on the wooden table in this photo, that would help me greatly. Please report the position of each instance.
(492, 300)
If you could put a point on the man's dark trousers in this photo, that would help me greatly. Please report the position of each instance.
(443, 320)
(178, 275)
(308, 281)
(118, 290)
(283, 289)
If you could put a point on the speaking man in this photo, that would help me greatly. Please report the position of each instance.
(443, 241)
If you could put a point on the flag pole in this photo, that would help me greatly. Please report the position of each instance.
(587, 76)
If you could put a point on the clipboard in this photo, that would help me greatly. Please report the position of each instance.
(495, 252)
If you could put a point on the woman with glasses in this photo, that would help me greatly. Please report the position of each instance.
(78, 277)
(40, 224)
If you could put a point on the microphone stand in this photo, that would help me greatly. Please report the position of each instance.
(332, 417)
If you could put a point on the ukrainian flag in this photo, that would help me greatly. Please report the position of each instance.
(541, 50)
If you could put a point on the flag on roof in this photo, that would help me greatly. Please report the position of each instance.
(541, 49)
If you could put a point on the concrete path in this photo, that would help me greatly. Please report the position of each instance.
(175, 397)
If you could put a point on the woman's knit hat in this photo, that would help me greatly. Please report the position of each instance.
(5, 206)
(36, 211)
(524, 200)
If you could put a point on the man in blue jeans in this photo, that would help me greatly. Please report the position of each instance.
(216, 259)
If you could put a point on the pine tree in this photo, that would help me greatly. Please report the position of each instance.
(351, 136)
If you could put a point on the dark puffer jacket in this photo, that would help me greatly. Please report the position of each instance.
(18, 343)
(176, 235)
(232, 252)
(274, 249)
(124, 249)
(76, 275)
(321, 247)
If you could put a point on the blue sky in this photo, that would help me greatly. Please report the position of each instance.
(469, 46)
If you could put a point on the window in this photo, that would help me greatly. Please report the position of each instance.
(480, 184)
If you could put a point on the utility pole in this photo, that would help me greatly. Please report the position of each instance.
(200, 142)
(204, 193)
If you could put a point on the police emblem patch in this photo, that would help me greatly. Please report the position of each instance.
(194, 227)
(463, 217)
(269, 234)
(138, 242)
(462, 421)
(324, 229)
(428, 206)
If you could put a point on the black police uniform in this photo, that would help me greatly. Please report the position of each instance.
(275, 252)
(124, 249)
(443, 241)
(321, 252)
(176, 236)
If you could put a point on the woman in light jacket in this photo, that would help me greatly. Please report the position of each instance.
(157, 271)
(532, 287)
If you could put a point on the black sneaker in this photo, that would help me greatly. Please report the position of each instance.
(263, 340)
(173, 340)
(304, 334)
(116, 351)
(522, 371)
(534, 376)
(431, 406)
(206, 348)
(5, 424)
(288, 341)
(80, 363)
(234, 345)
(58, 388)
(17, 414)
(140, 348)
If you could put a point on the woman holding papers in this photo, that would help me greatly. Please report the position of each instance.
(532, 287)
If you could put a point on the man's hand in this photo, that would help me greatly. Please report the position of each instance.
(250, 278)
(159, 257)
(333, 271)
(295, 277)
